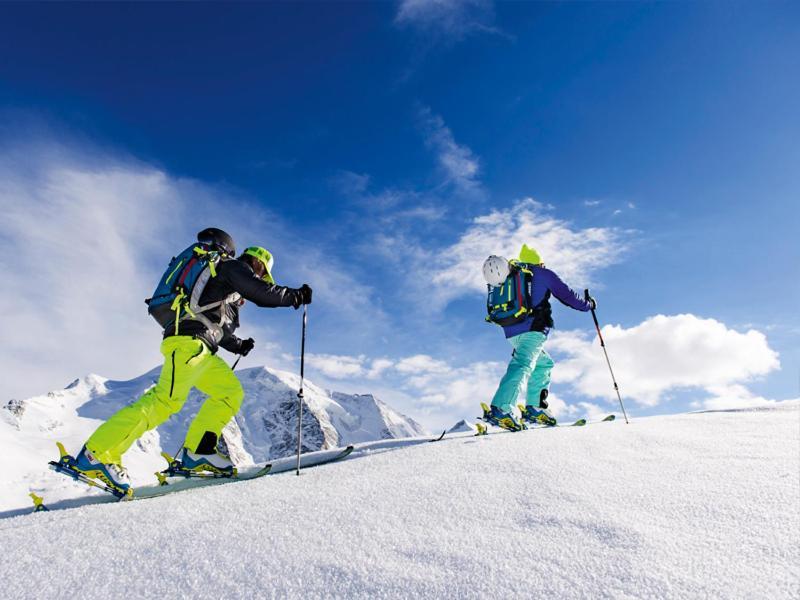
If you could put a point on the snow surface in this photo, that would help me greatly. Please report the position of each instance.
(682, 506)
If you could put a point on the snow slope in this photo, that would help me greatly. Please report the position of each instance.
(264, 429)
(683, 506)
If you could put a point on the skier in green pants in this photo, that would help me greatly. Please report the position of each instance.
(201, 323)
(519, 301)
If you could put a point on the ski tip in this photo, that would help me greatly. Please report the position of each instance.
(436, 439)
(610, 418)
(579, 423)
(485, 407)
(162, 478)
(167, 458)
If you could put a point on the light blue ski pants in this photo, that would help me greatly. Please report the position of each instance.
(529, 362)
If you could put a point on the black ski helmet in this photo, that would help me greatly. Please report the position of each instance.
(218, 239)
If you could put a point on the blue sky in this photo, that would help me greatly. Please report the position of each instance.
(381, 150)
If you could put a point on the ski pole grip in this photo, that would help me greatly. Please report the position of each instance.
(586, 297)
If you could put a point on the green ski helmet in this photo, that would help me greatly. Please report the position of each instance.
(266, 259)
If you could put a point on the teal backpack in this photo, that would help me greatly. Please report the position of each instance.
(510, 303)
(177, 294)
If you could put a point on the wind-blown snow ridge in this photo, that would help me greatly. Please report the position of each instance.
(682, 506)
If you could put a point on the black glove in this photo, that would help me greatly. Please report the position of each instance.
(246, 346)
(305, 294)
(592, 302)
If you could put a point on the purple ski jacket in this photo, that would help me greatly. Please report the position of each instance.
(545, 283)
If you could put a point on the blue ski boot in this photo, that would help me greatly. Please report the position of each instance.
(113, 475)
(538, 415)
(216, 464)
(497, 417)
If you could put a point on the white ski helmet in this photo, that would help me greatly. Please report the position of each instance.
(495, 270)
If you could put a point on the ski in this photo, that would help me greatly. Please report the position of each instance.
(324, 461)
(188, 481)
(578, 423)
(437, 439)
(483, 429)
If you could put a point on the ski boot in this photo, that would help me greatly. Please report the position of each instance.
(538, 415)
(191, 464)
(495, 416)
(112, 475)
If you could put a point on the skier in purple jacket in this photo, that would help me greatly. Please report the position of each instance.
(530, 362)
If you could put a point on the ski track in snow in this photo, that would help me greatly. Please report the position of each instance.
(683, 506)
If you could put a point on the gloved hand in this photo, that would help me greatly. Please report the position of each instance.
(305, 294)
(246, 346)
(590, 300)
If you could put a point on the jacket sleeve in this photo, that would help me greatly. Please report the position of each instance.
(242, 279)
(565, 294)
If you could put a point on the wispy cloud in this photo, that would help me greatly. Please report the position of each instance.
(663, 355)
(447, 20)
(349, 183)
(84, 237)
(456, 161)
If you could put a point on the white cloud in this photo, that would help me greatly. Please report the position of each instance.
(664, 355)
(456, 161)
(447, 19)
(573, 253)
(591, 202)
(378, 367)
(421, 363)
(342, 366)
(337, 366)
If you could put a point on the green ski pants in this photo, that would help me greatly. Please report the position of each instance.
(188, 363)
(529, 362)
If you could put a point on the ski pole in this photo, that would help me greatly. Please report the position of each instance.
(603, 346)
(300, 391)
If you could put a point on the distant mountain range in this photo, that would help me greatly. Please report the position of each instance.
(264, 429)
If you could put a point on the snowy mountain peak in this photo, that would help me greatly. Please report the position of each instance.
(462, 426)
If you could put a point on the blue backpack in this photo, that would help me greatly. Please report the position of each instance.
(178, 292)
(510, 303)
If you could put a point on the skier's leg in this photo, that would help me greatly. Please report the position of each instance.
(225, 398)
(536, 410)
(526, 350)
(540, 378)
(184, 362)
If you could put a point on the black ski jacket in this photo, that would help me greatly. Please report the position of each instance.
(235, 280)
